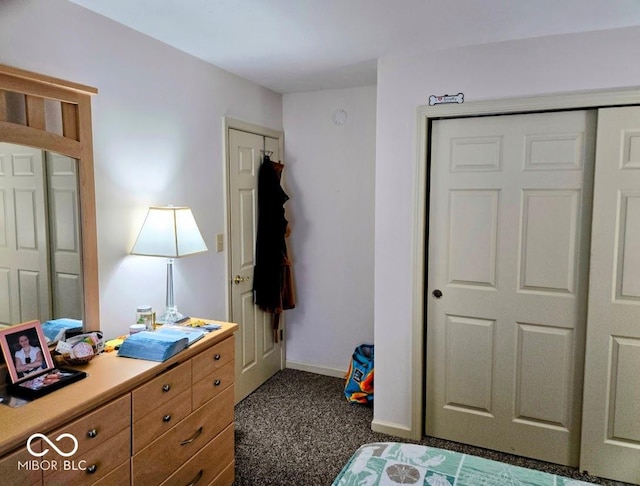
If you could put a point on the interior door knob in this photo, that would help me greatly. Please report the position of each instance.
(437, 293)
(238, 279)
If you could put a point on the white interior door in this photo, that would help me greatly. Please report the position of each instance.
(258, 356)
(64, 228)
(611, 417)
(509, 232)
(24, 275)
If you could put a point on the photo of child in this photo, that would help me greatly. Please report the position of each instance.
(25, 350)
(28, 357)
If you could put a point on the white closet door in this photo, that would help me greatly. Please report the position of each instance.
(24, 273)
(508, 249)
(611, 417)
(64, 230)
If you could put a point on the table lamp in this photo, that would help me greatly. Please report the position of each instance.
(170, 232)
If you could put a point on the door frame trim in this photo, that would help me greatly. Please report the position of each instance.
(425, 115)
(236, 124)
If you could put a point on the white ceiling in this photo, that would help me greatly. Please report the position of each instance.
(302, 45)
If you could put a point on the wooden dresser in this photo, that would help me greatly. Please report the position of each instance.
(135, 422)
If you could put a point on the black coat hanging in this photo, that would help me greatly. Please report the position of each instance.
(272, 277)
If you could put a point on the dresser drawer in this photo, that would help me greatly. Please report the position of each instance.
(95, 464)
(16, 468)
(226, 477)
(159, 420)
(165, 455)
(212, 359)
(93, 429)
(211, 385)
(121, 475)
(207, 464)
(161, 389)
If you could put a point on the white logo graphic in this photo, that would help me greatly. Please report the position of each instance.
(53, 446)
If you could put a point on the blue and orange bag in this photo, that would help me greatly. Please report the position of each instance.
(358, 386)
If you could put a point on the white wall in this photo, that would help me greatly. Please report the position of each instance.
(595, 60)
(158, 128)
(329, 175)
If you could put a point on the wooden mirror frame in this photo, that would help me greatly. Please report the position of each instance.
(76, 142)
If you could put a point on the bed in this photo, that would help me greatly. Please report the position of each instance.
(393, 463)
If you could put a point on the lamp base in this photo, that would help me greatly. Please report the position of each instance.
(169, 316)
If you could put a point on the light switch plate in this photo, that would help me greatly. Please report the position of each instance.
(219, 243)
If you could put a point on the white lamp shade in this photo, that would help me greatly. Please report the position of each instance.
(169, 232)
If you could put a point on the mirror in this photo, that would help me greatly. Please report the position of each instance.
(48, 119)
(40, 245)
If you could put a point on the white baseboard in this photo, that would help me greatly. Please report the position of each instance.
(392, 429)
(320, 370)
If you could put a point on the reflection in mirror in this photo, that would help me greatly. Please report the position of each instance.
(40, 245)
(57, 215)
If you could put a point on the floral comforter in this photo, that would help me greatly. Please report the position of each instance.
(392, 463)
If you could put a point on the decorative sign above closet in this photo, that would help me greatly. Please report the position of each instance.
(444, 99)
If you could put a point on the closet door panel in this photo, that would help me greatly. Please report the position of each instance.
(510, 211)
(610, 428)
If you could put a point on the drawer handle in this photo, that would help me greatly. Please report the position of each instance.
(166, 388)
(194, 437)
(92, 469)
(216, 357)
(197, 478)
(166, 418)
(216, 383)
(92, 433)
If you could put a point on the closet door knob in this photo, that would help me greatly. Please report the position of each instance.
(437, 293)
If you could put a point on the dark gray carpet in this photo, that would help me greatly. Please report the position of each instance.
(297, 429)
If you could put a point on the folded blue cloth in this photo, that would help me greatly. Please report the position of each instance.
(55, 329)
(153, 346)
